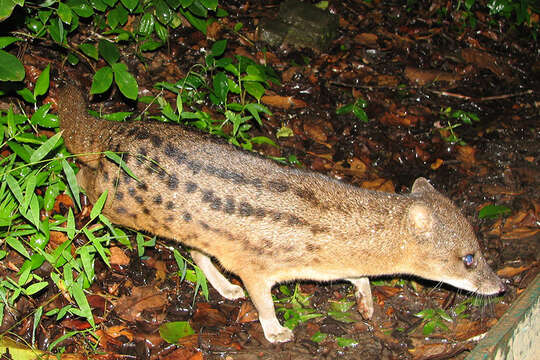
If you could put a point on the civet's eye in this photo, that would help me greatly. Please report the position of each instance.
(468, 260)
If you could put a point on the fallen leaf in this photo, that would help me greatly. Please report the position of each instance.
(118, 257)
(509, 271)
(208, 316)
(247, 313)
(130, 307)
(283, 102)
(367, 39)
(379, 184)
(424, 77)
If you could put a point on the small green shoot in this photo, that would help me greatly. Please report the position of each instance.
(455, 119)
(433, 319)
(294, 307)
(356, 108)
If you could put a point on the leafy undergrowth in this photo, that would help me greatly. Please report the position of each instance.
(404, 91)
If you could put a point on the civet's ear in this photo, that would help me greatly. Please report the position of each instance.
(420, 218)
(421, 185)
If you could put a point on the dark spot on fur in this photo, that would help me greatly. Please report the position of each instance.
(133, 215)
(257, 183)
(119, 195)
(157, 199)
(142, 186)
(172, 183)
(156, 140)
(207, 195)
(106, 176)
(204, 225)
(139, 199)
(131, 191)
(294, 220)
(229, 205)
(187, 217)
(170, 150)
(317, 229)
(132, 132)
(169, 218)
(146, 211)
(170, 205)
(316, 260)
(127, 178)
(277, 216)
(191, 187)
(306, 194)
(278, 186)
(142, 134)
(216, 203)
(260, 212)
(310, 247)
(141, 155)
(120, 210)
(194, 166)
(267, 243)
(245, 209)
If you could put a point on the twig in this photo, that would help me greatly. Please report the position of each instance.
(486, 98)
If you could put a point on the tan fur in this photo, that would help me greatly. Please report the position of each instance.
(265, 222)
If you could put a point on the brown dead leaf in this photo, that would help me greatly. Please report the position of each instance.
(437, 164)
(438, 351)
(424, 77)
(367, 39)
(213, 30)
(283, 102)
(399, 116)
(509, 271)
(356, 167)
(315, 132)
(379, 184)
(485, 60)
(186, 353)
(57, 238)
(118, 257)
(465, 329)
(247, 313)
(209, 316)
(387, 80)
(119, 330)
(520, 233)
(62, 202)
(130, 307)
(466, 155)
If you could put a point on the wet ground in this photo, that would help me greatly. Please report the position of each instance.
(414, 69)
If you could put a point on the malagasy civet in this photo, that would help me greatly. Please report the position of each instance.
(265, 222)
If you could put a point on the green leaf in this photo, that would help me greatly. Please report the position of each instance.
(345, 342)
(26, 95)
(429, 327)
(72, 182)
(163, 11)
(130, 4)
(44, 149)
(15, 188)
(64, 13)
(218, 48)
(56, 30)
(109, 51)
(98, 206)
(82, 302)
(255, 108)
(11, 69)
(7, 6)
(255, 89)
(173, 331)
(146, 24)
(197, 23)
(17, 245)
(89, 50)
(318, 337)
(102, 80)
(7, 40)
(81, 8)
(493, 211)
(125, 81)
(120, 162)
(70, 228)
(221, 87)
(35, 288)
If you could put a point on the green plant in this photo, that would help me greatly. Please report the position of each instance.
(433, 319)
(356, 108)
(233, 86)
(454, 119)
(56, 20)
(493, 211)
(34, 171)
(294, 306)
